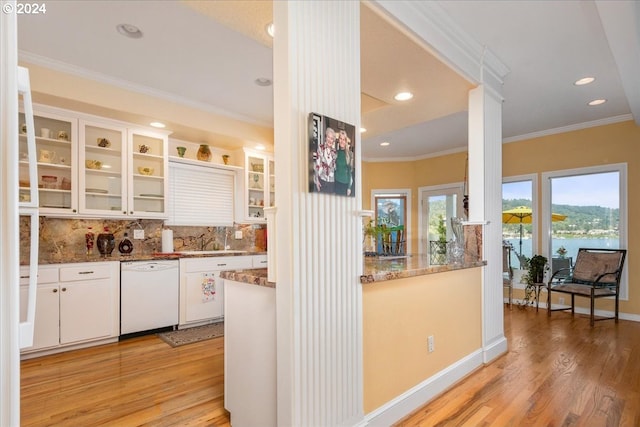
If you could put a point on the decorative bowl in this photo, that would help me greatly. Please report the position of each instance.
(257, 167)
(93, 164)
(145, 170)
(49, 181)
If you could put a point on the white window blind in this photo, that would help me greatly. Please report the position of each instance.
(200, 195)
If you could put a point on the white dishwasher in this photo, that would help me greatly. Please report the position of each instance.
(148, 295)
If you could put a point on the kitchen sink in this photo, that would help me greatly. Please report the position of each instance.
(220, 252)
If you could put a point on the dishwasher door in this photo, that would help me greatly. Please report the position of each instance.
(148, 295)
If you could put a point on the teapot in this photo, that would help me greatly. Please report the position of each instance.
(47, 156)
(143, 148)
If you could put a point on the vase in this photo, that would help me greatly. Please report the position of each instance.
(455, 252)
(204, 153)
(125, 247)
(106, 242)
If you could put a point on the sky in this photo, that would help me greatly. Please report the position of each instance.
(600, 189)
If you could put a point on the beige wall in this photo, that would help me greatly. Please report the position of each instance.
(399, 315)
(615, 143)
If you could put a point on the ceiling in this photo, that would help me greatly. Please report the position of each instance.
(208, 55)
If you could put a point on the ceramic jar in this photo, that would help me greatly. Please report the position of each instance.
(106, 243)
(204, 153)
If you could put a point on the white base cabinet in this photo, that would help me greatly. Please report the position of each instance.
(202, 290)
(77, 304)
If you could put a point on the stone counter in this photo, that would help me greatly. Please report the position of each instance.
(256, 276)
(380, 269)
(141, 257)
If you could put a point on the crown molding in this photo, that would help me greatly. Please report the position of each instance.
(84, 73)
(570, 128)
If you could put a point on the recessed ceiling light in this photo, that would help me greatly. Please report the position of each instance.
(260, 147)
(270, 29)
(263, 81)
(384, 144)
(157, 125)
(597, 102)
(403, 96)
(584, 81)
(363, 130)
(129, 30)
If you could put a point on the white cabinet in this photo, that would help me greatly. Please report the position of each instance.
(123, 170)
(77, 304)
(202, 290)
(259, 184)
(57, 161)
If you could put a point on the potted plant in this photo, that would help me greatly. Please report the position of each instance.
(536, 267)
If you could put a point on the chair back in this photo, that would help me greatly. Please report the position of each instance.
(599, 266)
(561, 265)
(506, 260)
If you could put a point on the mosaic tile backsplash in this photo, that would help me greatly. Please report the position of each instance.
(63, 240)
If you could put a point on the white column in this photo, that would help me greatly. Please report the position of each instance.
(485, 204)
(316, 69)
(9, 270)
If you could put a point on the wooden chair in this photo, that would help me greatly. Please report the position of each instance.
(507, 271)
(596, 274)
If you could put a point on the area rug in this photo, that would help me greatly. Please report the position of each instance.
(191, 335)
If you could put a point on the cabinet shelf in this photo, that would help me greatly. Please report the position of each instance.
(148, 156)
(48, 141)
(102, 172)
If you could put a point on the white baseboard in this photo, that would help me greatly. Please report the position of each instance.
(403, 405)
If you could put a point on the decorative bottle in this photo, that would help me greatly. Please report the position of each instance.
(125, 247)
(106, 242)
(89, 239)
(204, 153)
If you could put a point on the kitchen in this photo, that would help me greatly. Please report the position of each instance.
(57, 86)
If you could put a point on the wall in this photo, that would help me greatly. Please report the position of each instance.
(399, 315)
(594, 146)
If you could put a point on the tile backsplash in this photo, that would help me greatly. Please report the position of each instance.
(63, 240)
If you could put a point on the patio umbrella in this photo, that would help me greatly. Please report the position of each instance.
(522, 215)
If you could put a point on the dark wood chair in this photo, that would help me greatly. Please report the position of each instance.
(507, 271)
(595, 274)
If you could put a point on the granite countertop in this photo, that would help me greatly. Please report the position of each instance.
(142, 257)
(380, 269)
(256, 276)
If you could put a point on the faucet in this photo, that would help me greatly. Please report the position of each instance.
(204, 242)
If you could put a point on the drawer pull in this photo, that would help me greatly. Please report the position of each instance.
(222, 265)
(85, 272)
(24, 277)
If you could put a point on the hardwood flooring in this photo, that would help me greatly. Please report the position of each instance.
(137, 382)
(558, 372)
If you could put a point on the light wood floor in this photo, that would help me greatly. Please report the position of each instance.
(558, 372)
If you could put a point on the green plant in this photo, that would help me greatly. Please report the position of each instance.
(536, 267)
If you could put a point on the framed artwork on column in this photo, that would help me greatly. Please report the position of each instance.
(331, 156)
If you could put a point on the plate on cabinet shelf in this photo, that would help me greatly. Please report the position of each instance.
(96, 190)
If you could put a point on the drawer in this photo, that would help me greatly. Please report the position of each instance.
(194, 265)
(88, 272)
(45, 275)
(260, 261)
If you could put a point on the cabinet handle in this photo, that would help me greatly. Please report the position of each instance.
(85, 272)
(124, 212)
(221, 265)
(74, 211)
(25, 277)
(131, 212)
(55, 290)
(64, 289)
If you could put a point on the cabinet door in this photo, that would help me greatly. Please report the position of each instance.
(204, 296)
(86, 311)
(56, 139)
(46, 329)
(256, 185)
(102, 157)
(148, 166)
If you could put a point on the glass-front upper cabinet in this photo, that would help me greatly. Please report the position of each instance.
(56, 156)
(259, 184)
(124, 170)
(102, 155)
(148, 167)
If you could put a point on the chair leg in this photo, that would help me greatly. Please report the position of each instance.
(573, 304)
(592, 319)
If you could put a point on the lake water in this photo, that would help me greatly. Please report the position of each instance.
(571, 245)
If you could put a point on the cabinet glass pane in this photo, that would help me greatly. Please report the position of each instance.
(53, 156)
(103, 168)
(148, 174)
